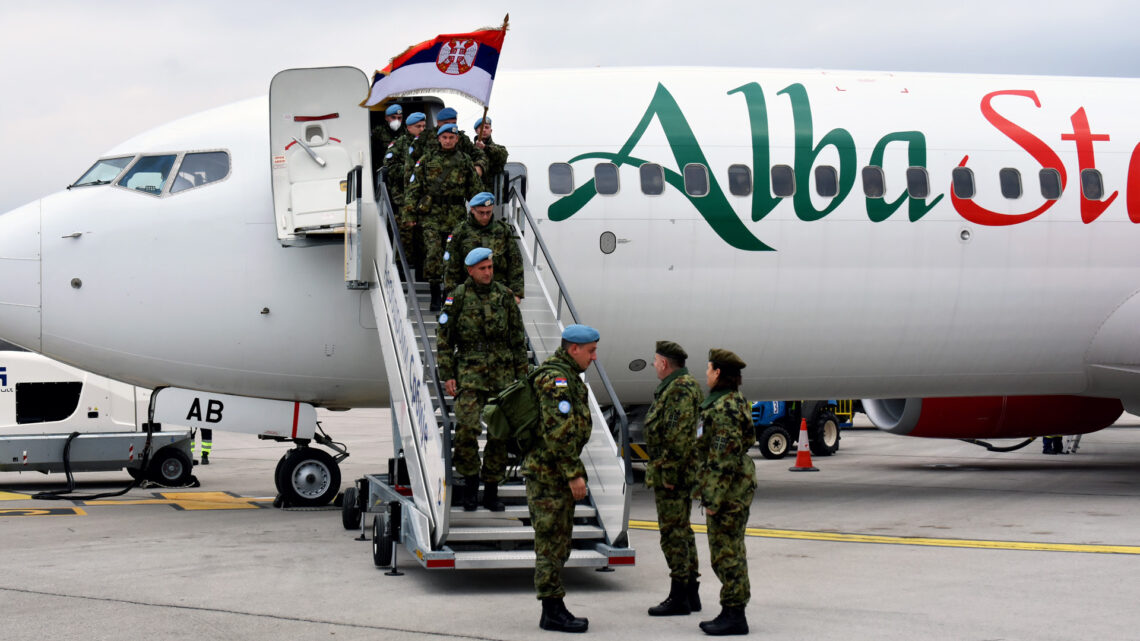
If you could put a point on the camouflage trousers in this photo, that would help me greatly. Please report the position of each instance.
(434, 240)
(728, 555)
(465, 452)
(677, 541)
(552, 516)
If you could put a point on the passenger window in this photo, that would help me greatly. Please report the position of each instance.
(606, 178)
(199, 169)
(963, 182)
(917, 182)
(1050, 183)
(1092, 184)
(739, 180)
(826, 181)
(874, 182)
(696, 180)
(783, 181)
(561, 176)
(1010, 180)
(103, 171)
(149, 174)
(652, 179)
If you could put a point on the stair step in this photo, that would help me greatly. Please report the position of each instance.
(515, 533)
(524, 559)
(512, 513)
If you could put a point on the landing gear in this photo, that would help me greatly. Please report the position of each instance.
(307, 477)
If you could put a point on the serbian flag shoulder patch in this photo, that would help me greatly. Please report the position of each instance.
(560, 382)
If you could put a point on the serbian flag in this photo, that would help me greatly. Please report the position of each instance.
(462, 63)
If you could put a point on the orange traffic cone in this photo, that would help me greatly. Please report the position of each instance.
(803, 454)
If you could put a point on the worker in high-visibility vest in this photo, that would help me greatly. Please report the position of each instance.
(207, 444)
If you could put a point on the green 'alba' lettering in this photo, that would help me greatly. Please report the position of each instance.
(878, 209)
(806, 154)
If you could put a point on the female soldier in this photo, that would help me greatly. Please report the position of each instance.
(727, 482)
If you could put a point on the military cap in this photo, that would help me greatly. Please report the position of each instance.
(476, 256)
(669, 349)
(725, 357)
(580, 334)
(447, 113)
(392, 110)
(449, 128)
(415, 117)
(479, 122)
(482, 198)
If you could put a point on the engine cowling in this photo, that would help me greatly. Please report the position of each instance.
(993, 416)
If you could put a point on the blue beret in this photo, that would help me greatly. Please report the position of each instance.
(479, 122)
(447, 113)
(476, 256)
(448, 128)
(414, 118)
(482, 198)
(580, 334)
(392, 110)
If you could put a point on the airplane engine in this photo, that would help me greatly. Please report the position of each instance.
(993, 416)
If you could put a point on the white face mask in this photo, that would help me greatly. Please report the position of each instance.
(394, 124)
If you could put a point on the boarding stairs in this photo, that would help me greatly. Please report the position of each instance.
(413, 502)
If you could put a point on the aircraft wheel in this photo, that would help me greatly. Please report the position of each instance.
(170, 467)
(350, 513)
(381, 541)
(307, 477)
(774, 441)
(823, 437)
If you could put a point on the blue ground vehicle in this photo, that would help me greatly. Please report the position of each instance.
(777, 425)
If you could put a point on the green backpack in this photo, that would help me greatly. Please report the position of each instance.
(512, 416)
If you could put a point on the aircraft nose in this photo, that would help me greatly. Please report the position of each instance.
(20, 276)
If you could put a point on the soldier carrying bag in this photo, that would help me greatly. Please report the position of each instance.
(512, 416)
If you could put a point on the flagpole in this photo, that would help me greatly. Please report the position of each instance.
(483, 121)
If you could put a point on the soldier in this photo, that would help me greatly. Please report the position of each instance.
(671, 435)
(438, 186)
(726, 484)
(480, 230)
(383, 135)
(482, 349)
(395, 162)
(448, 116)
(555, 475)
(496, 153)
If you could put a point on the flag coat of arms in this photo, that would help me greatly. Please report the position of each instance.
(462, 63)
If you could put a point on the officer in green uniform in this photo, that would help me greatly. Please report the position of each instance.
(448, 116)
(437, 190)
(671, 436)
(384, 134)
(396, 163)
(496, 153)
(555, 475)
(480, 229)
(482, 349)
(726, 483)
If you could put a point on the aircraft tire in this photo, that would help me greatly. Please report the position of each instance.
(307, 477)
(170, 467)
(774, 442)
(381, 541)
(823, 435)
(350, 513)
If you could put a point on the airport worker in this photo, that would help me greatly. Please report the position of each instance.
(479, 229)
(437, 190)
(726, 483)
(206, 444)
(496, 153)
(555, 475)
(671, 437)
(448, 116)
(482, 349)
(384, 134)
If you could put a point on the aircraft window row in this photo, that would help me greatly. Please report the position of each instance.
(783, 181)
(151, 174)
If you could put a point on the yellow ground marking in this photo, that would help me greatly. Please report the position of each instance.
(42, 511)
(195, 501)
(14, 496)
(916, 540)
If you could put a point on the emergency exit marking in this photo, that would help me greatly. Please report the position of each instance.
(46, 511)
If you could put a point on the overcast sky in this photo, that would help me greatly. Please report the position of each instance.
(79, 77)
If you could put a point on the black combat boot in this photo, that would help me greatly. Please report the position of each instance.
(676, 603)
(436, 297)
(556, 617)
(491, 498)
(693, 590)
(730, 621)
(470, 493)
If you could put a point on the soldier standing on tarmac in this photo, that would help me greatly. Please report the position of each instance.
(437, 190)
(671, 435)
(479, 229)
(726, 480)
(496, 153)
(555, 475)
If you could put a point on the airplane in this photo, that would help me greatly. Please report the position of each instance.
(958, 250)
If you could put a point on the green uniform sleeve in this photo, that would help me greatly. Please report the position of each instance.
(516, 279)
(445, 343)
(455, 271)
(558, 427)
(518, 339)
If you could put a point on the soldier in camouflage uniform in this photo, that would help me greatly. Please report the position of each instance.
(482, 349)
(384, 134)
(496, 153)
(671, 435)
(448, 116)
(480, 229)
(395, 163)
(555, 475)
(438, 188)
(726, 479)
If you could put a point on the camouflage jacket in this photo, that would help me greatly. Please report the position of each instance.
(481, 342)
(466, 146)
(394, 159)
(496, 162)
(381, 142)
(497, 236)
(439, 186)
(671, 431)
(565, 423)
(726, 475)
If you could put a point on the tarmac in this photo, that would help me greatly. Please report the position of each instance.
(894, 538)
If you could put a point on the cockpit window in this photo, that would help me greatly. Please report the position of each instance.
(149, 174)
(197, 169)
(103, 171)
